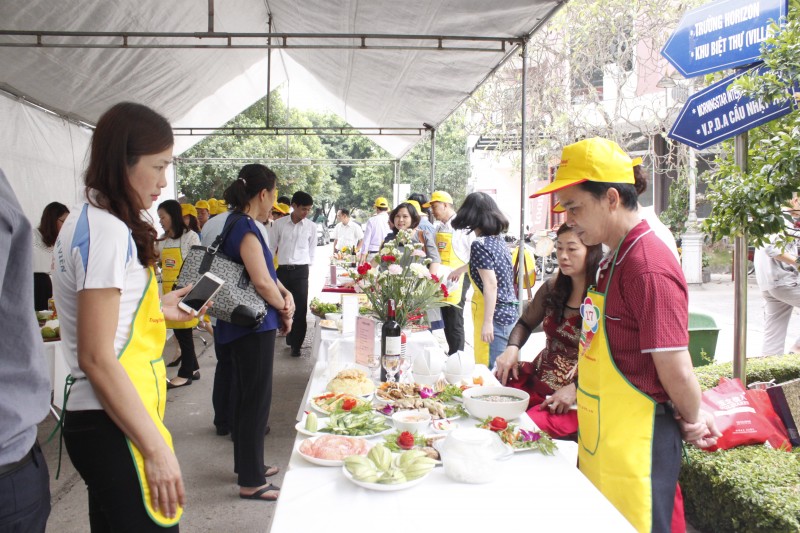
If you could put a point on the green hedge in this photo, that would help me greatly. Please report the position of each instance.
(750, 488)
(779, 367)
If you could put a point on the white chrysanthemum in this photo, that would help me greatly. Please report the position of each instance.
(419, 270)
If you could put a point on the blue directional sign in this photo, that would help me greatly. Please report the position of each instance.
(720, 112)
(722, 35)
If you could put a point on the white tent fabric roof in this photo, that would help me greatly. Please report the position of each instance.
(204, 88)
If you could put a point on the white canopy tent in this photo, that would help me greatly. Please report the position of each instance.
(377, 64)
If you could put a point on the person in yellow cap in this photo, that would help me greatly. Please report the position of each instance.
(202, 213)
(376, 229)
(636, 391)
(212, 207)
(454, 248)
(190, 217)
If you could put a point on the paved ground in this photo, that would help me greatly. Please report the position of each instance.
(206, 459)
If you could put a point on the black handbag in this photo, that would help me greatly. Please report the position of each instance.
(237, 302)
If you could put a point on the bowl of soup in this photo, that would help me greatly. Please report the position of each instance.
(492, 401)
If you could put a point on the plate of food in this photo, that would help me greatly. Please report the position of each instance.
(331, 450)
(351, 381)
(361, 425)
(327, 324)
(399, 441)
(381, 470)
(331, 402)
(519, 439)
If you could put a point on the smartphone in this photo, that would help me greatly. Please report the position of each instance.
(202, 291)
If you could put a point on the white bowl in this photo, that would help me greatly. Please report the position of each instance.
(333, 316)
(426, 379)
(480, 408)
(413, 421)
(456, 379)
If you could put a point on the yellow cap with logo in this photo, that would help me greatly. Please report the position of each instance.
(439, 196)
(202, 204)
(188, 209)
(382, 202)
(596, 159)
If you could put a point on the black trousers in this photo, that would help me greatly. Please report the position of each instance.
(295, 279)
(252, 357)
(99, 451)
(666, 466)
(25, 496)
(453, 318)
(223, 396)
(188, 355)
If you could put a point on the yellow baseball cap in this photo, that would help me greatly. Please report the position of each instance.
(221, 207)
(188, 209)
(439, 196)
(595, 159)
(202, 204)
(558, 208)
(381, 202)
(281, 208)
(415, 204)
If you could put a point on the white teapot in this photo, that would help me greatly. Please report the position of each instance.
(431, 363)
(459, 367)
(472, 455)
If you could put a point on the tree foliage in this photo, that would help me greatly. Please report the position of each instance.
(750, 202)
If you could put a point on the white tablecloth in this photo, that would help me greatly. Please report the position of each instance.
(533, 493)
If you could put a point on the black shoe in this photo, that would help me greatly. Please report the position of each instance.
(195, 375)
(222, 431)
(266, 431)
(295, 352)
(175, 363)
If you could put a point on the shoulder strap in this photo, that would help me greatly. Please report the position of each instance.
(218, 242)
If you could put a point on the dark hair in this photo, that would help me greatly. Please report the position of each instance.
(47, 225)
(284, 200)
(302, 198)
(252, 179)
(411, 211)
(628, 193)
(480, 211)
(561, 289)
(193, 224)
(345, 212)
(173, 209)
(123, 134)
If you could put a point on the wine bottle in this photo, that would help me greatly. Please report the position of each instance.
(390, 337)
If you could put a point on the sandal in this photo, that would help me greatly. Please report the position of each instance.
(257, 495)
(270, 471)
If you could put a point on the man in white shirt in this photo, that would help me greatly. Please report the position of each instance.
(376, 230)
(346, 233)
(454, 247)
(294, 242)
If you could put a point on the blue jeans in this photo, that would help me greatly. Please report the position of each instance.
(498, 345)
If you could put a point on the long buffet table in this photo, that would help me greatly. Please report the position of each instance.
(533, 493)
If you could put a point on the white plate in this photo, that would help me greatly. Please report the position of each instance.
(323, 422)
(318, 409)
(380, 486)
(315, 460)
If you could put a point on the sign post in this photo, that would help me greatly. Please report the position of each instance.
(718, 36)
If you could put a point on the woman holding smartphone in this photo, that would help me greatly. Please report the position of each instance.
(251, 196)
(112, 326)
(173, 246)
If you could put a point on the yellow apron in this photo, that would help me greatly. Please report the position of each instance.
(141, 359)
(171, 262)
(481, 348)
(444, 242)
(615, 421)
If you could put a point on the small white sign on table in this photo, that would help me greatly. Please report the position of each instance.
(349, 313)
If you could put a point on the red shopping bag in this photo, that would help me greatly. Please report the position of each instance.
(743, 416)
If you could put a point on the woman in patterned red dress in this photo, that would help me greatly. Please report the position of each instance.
(550, 378)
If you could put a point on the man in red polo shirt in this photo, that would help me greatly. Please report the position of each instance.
(637, 392)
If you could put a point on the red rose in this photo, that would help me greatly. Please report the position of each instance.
(498, 424)
(388, 258)
(405, 440)
(364, 268)
(444, 290)
(435, 278)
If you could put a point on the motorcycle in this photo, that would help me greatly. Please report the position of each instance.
(544, 250)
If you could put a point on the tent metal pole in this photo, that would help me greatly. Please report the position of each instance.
(433, 158)
(396, 186)
(523, 267)
(175, 162)
(269, 67)
(740, 147)
(210, 16)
